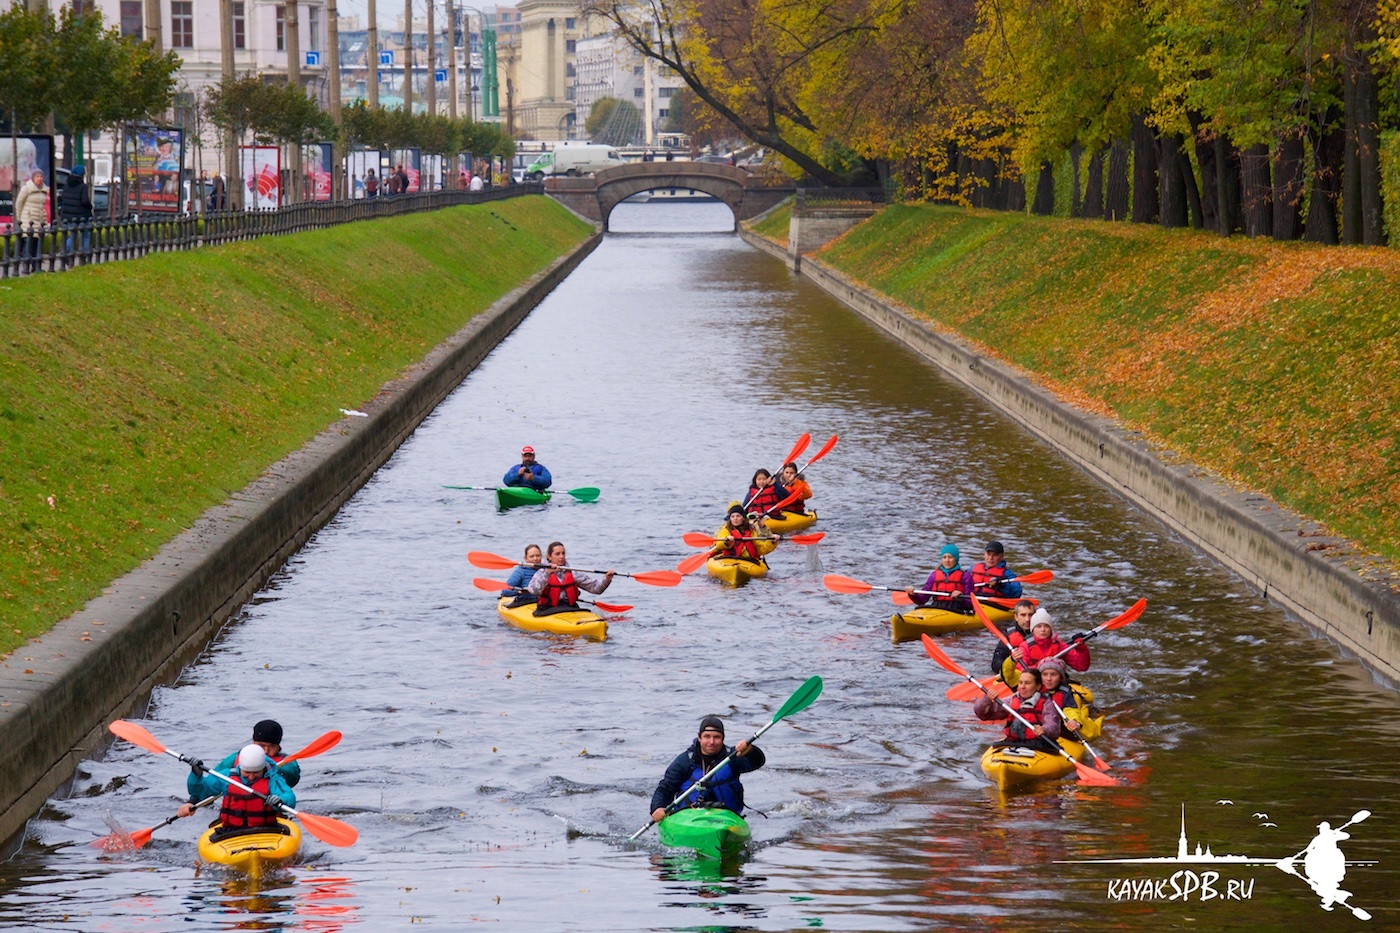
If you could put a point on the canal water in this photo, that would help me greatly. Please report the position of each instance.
(494, 776)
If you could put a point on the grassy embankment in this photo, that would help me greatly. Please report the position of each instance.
(135, 395)
(1273, 364)
(775, 225)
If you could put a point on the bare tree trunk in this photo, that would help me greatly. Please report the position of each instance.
(372, 59)
(1093, 186)
(1351, 170)
(1227, 186)
(1044, 191)
(1368, 153)
(408, 56)
(233, 170)
(291, 32)
(1116, 199)
(1205, 158)
(1015, 190)
(1075, 154)
(338, 187)
(1321, 226)
(1145, 204)
(1171, 186)
(1256, 191)
(1288, 186)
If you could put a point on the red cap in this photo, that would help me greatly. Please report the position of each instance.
(527, 449)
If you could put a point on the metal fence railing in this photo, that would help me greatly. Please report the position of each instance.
(58, 246)
(808, 198)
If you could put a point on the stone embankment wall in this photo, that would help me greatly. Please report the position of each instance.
(1258, 539)
(57, 695)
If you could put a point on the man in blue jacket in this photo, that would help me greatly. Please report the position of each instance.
(528, 472)
(706, 751)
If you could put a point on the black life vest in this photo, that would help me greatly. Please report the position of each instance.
(559, 590)
(986, 581)
(242, 810)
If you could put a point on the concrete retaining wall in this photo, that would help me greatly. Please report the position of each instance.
(1280, 553)
(57, 695)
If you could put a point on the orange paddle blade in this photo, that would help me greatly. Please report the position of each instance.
(485, 583)
(1088, 775)
(330, 831)
(323, 744)
(1130, 615)
(488, 561)
(698, 539)
(901, 598)
(782, 504)
(1036, 576)
(142, 836)
(693, 563)
(812, 538)
(797, 449)
(609, 607)
(986, 620)
(825, 449)
(947, 663)
(658, 577)
(839, 584)
(136, 735)
(968, 691)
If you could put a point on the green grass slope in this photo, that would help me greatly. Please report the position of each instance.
(1274, 364)
(135, 395)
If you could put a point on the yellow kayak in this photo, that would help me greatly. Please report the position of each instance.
(909, 624)
(579, 622)
(785, 523)
(251, 852)
(1008, 767)
(735, 570)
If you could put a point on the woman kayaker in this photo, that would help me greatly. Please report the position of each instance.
(1020, 626)
(519, 579)
(991, 576)
(1044, 644)
(241, 810)
(706, 751)
(556, 587)
(740, 538)
(764, 493)
(795, 484)
(948, 580)
(1079, 718)
(528, 472)
(1030, 704)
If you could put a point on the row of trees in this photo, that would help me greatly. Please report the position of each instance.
(1254, 115)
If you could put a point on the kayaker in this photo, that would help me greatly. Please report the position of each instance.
(556, 587)
(267, 735)
(519, 579)
(528, 472)
(706, 751)
(1020, 625)
(740, 538)
(991, 576)
(1043, 644)
(1028, 701)
(950, 581)
(241, 810)
(764, 493)
(795, 484)
(1079, 718)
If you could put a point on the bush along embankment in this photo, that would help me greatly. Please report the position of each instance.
(136, 395)
(1273, 364)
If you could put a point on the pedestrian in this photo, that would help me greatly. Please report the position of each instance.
(476, 183)
(31, 214)
(371, 184)
(684, 773)
(218, 195)
(401, 177)
(75, 209)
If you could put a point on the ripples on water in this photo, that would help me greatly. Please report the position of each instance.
(493, 775)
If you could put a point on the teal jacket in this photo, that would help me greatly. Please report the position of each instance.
(210, 786)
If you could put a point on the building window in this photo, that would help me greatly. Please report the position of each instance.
(638, 92)
(570, 46)
(664, 113)
(281, 12)
(666, 92)
(132, 22)
(570, 23)
(569, 93)
(636, 69)
(181, 24)
(569, 70)
(314, 21)
(240, 26)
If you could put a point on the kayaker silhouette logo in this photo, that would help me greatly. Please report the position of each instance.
(1321, 864)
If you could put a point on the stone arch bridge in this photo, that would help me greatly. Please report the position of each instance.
(595, 197)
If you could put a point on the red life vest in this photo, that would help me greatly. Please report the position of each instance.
(1033, 652)
(804, 491)
(559, 590)
(1030, 710)
(986, 580)
(761, 500)
(242, 810)
(744, 550)
(948, 582)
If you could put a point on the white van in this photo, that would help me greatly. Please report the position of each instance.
(581, 159)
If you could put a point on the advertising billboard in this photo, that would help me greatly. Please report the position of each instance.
(154, 156)
(316, 172)
(261, 170)
(20, 157)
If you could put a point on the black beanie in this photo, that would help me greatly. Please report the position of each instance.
(733, 509)
(269, 731)
(711, 722)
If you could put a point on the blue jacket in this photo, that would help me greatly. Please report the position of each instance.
(724, 788)
(210, 786)
(518, 580)
(540, 479)
(291, 771)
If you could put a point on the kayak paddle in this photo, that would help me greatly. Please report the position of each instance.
(700, 539)
(582, 494)
(1087, 775)
(1127, 617)
(850, 585)
(482, 583)
(327, 829)
(793, 454)
(803, 697)
(825, 449)
(488, 561)
(120, 842)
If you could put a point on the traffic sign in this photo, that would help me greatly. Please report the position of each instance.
(313, 59)
(386, 58)
(440, 75)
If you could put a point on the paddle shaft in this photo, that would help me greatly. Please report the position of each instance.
(797, 448)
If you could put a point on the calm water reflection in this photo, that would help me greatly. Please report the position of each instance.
(494, 775)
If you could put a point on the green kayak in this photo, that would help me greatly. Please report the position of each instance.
(508, 497)
(711, 831)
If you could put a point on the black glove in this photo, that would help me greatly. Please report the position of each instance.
(274, 802)
(1080, 637)
(198, 770)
